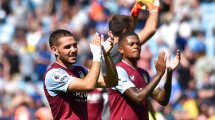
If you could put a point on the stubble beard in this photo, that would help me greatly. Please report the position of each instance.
(67, 61)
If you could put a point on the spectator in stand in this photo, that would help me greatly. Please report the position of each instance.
(42, 60)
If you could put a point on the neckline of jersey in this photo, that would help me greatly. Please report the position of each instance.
(128, 64)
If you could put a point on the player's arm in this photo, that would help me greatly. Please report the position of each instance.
(150, 28)
(151, 24)
(110, 79)
(89, 82)
(139, 96)
(162, 95)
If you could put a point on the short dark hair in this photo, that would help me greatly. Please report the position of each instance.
(56, 35)
(118, 23)
(125, 35)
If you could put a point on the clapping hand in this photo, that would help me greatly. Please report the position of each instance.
(95, 47)
(173, 64)
(160, 63)
(108, 44)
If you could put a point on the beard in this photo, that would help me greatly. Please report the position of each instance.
(67, 61)
(134, 58)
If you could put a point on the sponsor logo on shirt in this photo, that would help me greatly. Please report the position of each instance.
(80, 96)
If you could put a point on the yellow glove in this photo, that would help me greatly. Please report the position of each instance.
(138, 6)
(152, 5)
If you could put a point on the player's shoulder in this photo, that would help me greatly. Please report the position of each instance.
(114, 52)
(81, 68)
(55, 73)
(52, 70)
(121, 70)
(120, 64)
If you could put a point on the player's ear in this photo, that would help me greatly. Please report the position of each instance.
(121, 50)
(54, 50)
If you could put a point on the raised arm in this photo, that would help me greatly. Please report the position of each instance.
(151, 24)
(139, 96)
(162, 95)
(109, 79)
(89, 82)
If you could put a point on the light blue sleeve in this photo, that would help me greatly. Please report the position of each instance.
(57, 81)
(124, 81)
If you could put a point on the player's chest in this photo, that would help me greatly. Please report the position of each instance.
(139, 79)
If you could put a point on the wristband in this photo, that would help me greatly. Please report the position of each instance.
(96, 51)
(154, 9)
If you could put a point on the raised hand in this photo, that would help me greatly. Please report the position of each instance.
(138, 6)
(96, 40)
(150, 4)
(95, 47)
(160, 64)
(108, 44)
(175, 62)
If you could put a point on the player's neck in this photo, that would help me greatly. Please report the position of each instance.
(130, 63)
(63, 64)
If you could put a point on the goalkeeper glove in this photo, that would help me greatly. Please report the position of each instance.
(138, 6)
(152, 5)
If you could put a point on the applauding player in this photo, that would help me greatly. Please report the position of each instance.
(66, 85)
(129, 99)
(122, 23)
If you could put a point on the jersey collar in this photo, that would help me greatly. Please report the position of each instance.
(128, 64)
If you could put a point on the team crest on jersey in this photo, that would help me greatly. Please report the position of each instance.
(132, 77)
(81, 74)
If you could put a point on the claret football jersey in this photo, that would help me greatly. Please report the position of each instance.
(121, 107)
(95, 103)
(65, 105)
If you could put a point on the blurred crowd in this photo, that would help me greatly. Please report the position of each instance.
(25, 25)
